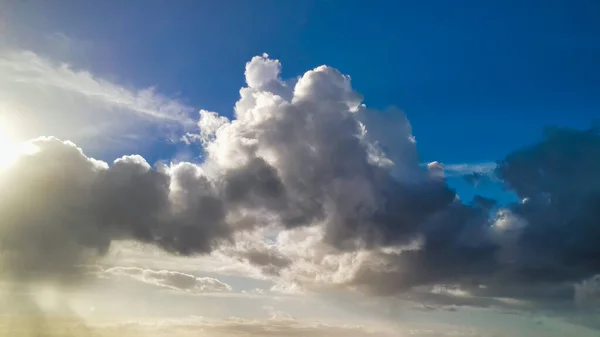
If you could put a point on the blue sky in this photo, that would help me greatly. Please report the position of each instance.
(482, 77)
(385, 247)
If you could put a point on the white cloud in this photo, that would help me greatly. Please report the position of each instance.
(43, 98)
(173, 280)
(261, 70)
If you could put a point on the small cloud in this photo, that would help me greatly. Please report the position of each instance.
(466, 168)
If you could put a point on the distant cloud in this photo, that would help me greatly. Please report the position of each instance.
(170, 279)
(278, 325)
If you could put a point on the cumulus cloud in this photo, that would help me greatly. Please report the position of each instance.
(342, 187)
(316, 137)
(169, 279)
(461, 244)
(64, 209)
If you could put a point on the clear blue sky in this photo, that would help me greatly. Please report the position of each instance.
(476, 78)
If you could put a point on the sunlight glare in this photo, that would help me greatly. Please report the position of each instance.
(47, 298)
(10, 148)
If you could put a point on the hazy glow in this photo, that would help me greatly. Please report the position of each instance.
(47, 298)
(10, 148)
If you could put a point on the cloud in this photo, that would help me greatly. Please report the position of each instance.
(315, 190)
(360, 194)
(308, 263)
(41, 97)
(293, 157)
(269, 261)
(317, 139)
(558, 177)
(262, 71)
(64, 209)
(170, 279)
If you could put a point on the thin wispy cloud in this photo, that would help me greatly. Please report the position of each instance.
(462, 169)
(29, 68)
(466, 168)
(42, 97)
(168, 279)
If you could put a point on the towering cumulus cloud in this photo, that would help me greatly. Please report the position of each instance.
(307, 154)
(294, 156)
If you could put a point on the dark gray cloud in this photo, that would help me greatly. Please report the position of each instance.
(62, 209)
(270, 262)
(537, 251)
(458, 248)
(560, 181)
(46, 205)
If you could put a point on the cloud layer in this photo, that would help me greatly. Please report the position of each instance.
(277, 325)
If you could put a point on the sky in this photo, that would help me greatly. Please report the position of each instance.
(279, 168)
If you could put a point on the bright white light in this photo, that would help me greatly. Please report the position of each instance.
(47, 298)
(10, 148)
